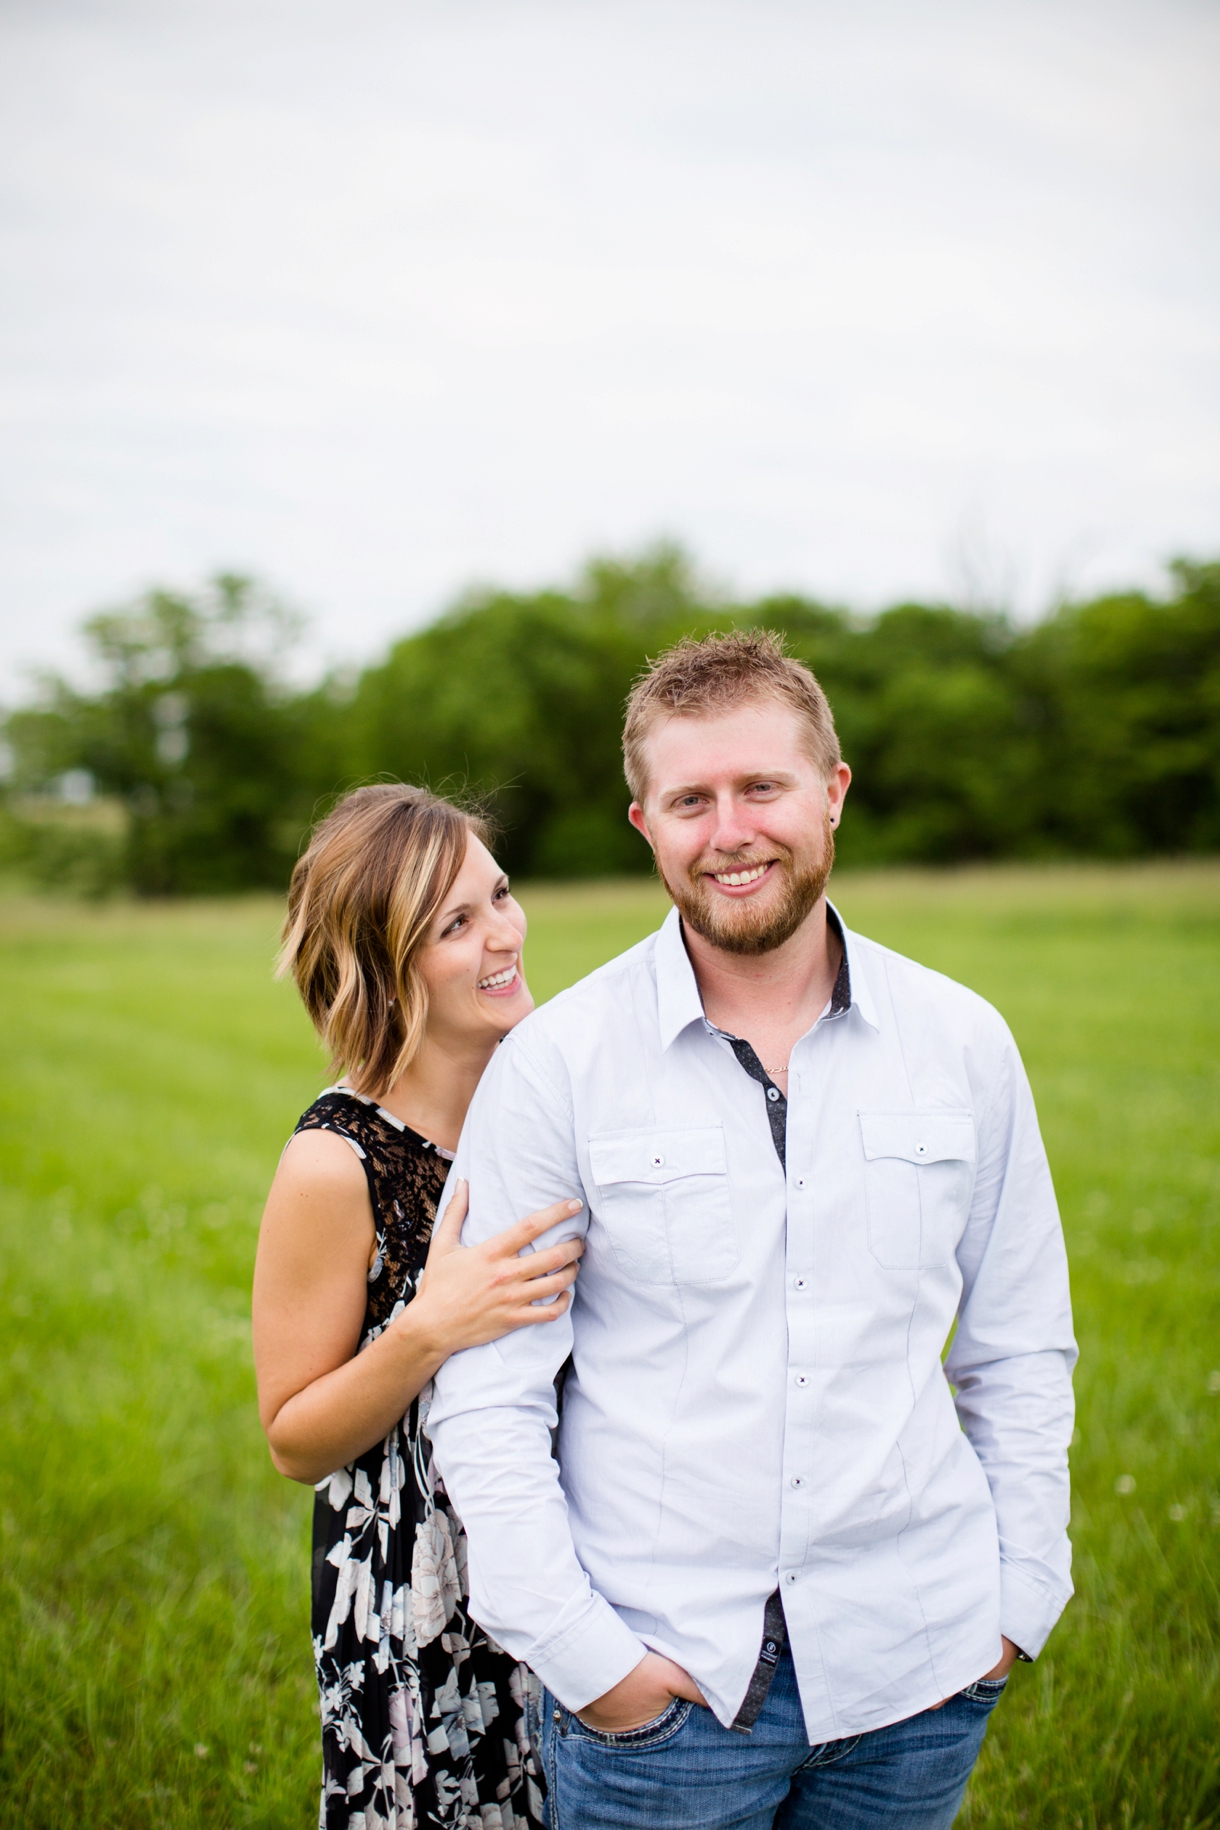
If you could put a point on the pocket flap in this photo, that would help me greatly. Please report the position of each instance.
(919, 1137)
(656, 1156)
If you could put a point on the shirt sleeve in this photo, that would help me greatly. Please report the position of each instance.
(493, 1407)
(1012, 1356)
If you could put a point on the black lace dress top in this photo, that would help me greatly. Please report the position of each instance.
(422, 1714)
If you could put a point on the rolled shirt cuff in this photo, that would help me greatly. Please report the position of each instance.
(1028, 1610)
(589, 1657)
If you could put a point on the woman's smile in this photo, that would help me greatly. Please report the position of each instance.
(501, 984)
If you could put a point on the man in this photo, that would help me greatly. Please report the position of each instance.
(784, 1560)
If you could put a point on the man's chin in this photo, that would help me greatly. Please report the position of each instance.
(745, 927)
(754, 924)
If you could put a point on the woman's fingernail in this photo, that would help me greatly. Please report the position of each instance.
(574, 1207)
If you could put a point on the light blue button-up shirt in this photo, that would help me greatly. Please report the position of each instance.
(756, 1397)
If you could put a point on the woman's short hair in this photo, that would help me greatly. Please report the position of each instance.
(701, 676)
(360, 904)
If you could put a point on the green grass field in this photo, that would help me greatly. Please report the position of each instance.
(156, 1667)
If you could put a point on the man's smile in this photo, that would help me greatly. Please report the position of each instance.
(745, 877)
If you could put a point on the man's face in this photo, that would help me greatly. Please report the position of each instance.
(740, 820)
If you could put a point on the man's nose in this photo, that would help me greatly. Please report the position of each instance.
(733, 825)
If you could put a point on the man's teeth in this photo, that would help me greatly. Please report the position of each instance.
(734, 879)
(498, 978)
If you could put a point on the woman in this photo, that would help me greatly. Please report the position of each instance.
(405, 945)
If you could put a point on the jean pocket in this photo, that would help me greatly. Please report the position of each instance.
(633, 1740)
(987, 1691)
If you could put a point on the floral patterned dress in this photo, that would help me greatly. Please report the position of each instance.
(422, 1714)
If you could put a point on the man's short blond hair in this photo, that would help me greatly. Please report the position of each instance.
(699, 677)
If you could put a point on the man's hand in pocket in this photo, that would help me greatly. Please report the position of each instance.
(640, 1697)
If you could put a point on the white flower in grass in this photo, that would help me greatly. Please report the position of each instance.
(435, 1588)
(1125, 1484)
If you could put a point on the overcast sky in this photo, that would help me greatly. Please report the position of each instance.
(380, 297)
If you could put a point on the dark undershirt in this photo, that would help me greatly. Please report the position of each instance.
(777, 1104)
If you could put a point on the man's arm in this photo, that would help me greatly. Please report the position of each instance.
(494, 1407)
(1012, 1358)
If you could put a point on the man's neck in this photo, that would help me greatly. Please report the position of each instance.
(771, 999)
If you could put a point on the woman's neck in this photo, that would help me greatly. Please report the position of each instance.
(436, 1090)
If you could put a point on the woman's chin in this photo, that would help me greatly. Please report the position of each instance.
(508, 1007)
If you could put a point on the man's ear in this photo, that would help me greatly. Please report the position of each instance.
(635, 813)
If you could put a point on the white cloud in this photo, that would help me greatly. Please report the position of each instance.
(377, 297)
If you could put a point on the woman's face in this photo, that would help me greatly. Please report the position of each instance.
(471, 960)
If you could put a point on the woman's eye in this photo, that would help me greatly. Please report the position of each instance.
(459, 921)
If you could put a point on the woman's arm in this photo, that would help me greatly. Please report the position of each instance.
(320, 1402)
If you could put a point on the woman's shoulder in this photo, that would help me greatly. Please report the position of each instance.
(368, 1127)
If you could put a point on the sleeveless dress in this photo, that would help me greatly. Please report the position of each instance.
(423, 1716)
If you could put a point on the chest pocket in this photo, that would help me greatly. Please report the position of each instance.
(919, 1179)
(663, 1198)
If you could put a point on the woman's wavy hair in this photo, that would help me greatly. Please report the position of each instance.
(362, 898)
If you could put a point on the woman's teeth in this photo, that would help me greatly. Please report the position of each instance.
(498, 978)
(734, 879)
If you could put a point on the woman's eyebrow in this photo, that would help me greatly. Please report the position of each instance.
(459, 908)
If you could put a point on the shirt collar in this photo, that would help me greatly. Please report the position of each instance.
(678, 1000)
(853, 978)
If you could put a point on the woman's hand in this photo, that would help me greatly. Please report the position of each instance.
(472, 1294)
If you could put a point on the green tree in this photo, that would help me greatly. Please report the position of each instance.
(518, 700)
(191, 730)
(1124, 693)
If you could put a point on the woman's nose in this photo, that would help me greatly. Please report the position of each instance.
(504, 937)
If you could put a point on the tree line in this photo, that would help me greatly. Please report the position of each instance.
(1093, 732)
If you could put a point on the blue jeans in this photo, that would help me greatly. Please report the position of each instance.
(685, 1772)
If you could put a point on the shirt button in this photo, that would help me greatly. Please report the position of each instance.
(798, 1480)
(800, 1181)
(657, 1161)
(921, 1150)
(773, 1093)
(798, 1283)
(790, 1577)
(800, 1379)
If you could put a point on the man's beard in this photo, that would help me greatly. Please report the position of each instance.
(742, 926)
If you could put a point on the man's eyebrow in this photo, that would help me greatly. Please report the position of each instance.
(753, 775)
